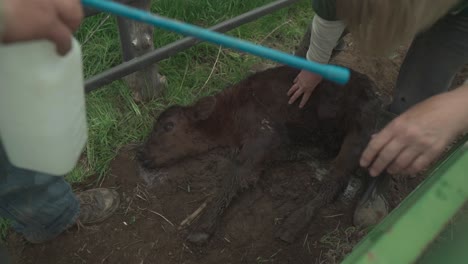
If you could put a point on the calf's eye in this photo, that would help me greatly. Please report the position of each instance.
(168, 126)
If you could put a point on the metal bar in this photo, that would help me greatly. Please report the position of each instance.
(450, 245)
(169, 50)
(405, 234)
(334, 73)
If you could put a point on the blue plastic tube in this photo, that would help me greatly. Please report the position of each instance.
(333, 73)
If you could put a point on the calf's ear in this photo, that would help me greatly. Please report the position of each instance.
(202, 109)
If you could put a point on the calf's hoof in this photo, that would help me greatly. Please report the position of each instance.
(204, 227)
(351, 192)
(370, 211)
(286, 235)
(198, 237)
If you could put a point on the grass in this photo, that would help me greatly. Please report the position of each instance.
(115, 120)
(338, 243)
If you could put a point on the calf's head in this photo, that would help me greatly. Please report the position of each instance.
(178, 133)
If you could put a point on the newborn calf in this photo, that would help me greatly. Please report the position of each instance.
(254, 119)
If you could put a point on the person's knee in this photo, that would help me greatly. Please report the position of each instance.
(422, 76)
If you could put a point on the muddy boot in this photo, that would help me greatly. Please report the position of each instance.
(96, 205)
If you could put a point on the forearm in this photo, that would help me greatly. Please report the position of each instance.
(462, 93)
(323, 38)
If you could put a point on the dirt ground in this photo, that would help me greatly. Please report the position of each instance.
(146, 227)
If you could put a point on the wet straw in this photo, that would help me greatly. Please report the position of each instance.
(333, 73)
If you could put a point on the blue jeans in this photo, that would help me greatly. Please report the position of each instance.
(39, 205)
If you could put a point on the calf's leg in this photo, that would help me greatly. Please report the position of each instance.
(240, 174)
(343, 165)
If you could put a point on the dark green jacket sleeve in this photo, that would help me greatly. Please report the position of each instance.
(325, 9)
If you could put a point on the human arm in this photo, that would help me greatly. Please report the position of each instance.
(324, 37)
(416, 138)
(55, 20)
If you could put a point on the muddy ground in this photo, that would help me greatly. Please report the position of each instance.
(146, 227)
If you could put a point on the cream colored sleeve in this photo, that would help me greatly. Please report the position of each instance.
(323, 38)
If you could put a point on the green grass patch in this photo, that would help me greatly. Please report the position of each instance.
(4, 225)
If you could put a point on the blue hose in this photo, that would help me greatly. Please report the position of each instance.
(333, 73)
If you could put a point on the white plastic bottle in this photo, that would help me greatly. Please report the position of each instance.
(42, 106)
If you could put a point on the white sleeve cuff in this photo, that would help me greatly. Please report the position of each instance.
(323, 39)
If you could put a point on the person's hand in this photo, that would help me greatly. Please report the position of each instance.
(54, 20)
(304, 85)
(417, 137)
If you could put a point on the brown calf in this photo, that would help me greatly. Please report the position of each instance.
(253, 118)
